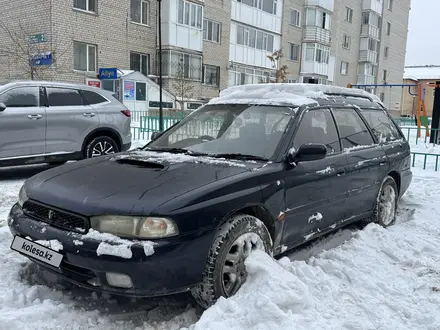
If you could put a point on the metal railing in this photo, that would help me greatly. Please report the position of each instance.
(426, 160)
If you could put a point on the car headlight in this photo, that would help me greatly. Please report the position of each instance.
(22, 196)
(135, 227)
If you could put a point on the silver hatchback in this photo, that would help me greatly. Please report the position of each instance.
(48, 122)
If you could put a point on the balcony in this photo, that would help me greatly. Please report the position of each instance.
(368, 56)
(370, 31)
(326, 4)
(316, 34)
(314, 68)
(365, 79)
(374, 5)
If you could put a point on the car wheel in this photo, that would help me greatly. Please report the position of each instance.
(385, 208)
(225, 270)
(100, 146)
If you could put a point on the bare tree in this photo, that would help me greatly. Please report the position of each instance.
(281, 70)
(183, 87)
(21, 49)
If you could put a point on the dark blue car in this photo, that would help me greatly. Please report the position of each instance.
(265, 167)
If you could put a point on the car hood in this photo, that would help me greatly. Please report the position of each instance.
(131, 183)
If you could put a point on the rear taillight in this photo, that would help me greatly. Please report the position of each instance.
(127, 113)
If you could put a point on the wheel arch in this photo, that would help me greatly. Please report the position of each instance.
(396, 176)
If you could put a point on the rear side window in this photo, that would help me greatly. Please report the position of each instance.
(382, 126)
(317, 126)
(352, 129)
(59, 97)
(93, 98)
(21, 97)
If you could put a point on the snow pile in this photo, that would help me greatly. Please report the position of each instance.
(171, 158)
(280, 94)
(52, 244)
(115, 246)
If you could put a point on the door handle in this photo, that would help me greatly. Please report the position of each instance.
(89, 114)
(35, 117)
(382, 163)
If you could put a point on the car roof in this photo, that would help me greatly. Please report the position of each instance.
(6, 85)
(296, 95)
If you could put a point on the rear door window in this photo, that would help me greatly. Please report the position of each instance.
(59, 97)
(381, 125)
(318, 126)
(21, 97)
(352, 129)
(93, 98)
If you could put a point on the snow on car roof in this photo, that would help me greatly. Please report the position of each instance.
(282, 94)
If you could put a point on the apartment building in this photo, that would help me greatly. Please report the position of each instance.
(208, 45)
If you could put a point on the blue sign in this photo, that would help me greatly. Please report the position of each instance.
(42, 59)
(108, 73)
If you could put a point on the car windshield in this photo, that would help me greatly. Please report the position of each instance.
(247, 131)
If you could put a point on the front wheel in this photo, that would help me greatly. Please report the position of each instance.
(100, 146)
(225, 269)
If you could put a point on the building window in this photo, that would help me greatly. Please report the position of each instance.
(386, 51)
(344, 68)
(317, 53)
(87, 5)
(140, 11)
(348, 14)
(180, 65)
(316, 17)
(294, 52)
(269, 6)
(211, 75)
(388, 28)
(346, 41)
(190, 14)
(255, 39)
(367, 69)
(371, 18)
(140, 62)
(390, 5)
(295, 18)
(369, 44)
(211, 30)
(84, 56)
(384, 75)
(292, 81)
(240, 75)
(382, 97)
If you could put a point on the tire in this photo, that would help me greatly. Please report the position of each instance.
(217, 281)
(386, 201)
(100, 146)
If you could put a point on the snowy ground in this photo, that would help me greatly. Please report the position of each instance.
(354, 279)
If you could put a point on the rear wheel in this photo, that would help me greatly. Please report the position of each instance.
(100, 146)
(225, 269)
(386, 203)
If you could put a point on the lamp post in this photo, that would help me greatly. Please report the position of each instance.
(159, 4)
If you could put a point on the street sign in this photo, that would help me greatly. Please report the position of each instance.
(41, 59)
(38, 38)
(94, 83)
(108, 73)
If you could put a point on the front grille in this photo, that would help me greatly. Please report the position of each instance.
(56, 217)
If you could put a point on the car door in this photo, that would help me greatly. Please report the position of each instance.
(367, 162)
(69, 120)
(388, 136)
(315, 191)
(22, 123)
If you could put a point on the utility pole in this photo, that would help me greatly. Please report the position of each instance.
(159, 4)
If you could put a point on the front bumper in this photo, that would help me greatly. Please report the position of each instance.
(176, 265)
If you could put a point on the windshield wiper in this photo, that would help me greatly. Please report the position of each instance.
(176, 151)
(239, 156)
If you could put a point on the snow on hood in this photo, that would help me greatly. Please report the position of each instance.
(170, 158)
(281, 94)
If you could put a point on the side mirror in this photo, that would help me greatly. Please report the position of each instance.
(2, 106)
(155, 135)
(307, 152)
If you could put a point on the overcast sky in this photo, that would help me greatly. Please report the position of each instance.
(423, 38)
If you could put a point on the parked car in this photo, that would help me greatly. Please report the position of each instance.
(266, 167)
(48, 122)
